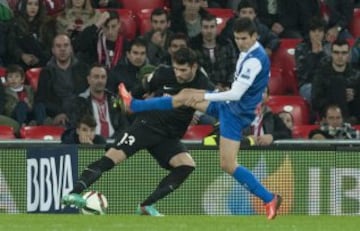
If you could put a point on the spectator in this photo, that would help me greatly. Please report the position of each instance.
(336, 82)
(61, 80)
(108, 4)
(248, 8)
(101, 104)
(187, 19)
(3, 40)
(308, 56)
(77, 15)
(355, 54)
(287, 118)
(84, 132)
(216, 54)
(176, 41)
(333, 126)
(339, 18)
(20, 99)
(267, 126)
(127, 70)
(158, 37)
(103, 41)
(25, 46)
(6, 12)
(5, 120)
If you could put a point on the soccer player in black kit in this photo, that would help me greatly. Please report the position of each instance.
(157, 131)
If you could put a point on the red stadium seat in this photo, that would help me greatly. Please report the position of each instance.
(32, 77)
(303, 131)
(144, 20)
(138, 5)
(53, 7)
(2, 75)
(128, 22)
(197, 132)
(296, 105)
(222, 16)
(284, 58)
(277, 84)
(41, 132)
(6, 132)
(354, 26)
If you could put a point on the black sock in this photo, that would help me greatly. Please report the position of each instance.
(169, 183)
(92, 173)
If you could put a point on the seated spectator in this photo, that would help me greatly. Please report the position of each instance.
(333, 126)
(109, 4)
(103, 41)
(101, 104)
(248, 8)
(77, 15)
(215, 53)
(187, 19)
(84, 132)
(267, 126)
(20, 99)
(339, 18)
(5, 120)
(158, 37)
(336, 82)
(25, 46)
(61, 80)
(127, 69)
(176, 41)
(308, 56)
(287, 118)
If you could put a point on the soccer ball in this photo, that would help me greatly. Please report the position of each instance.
(96, 203)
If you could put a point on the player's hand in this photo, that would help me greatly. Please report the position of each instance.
(264, 140)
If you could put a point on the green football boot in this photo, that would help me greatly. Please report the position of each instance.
(148, 210)
(74, 199)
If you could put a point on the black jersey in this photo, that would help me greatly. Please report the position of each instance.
(172, 123)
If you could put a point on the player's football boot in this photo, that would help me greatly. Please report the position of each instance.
(74, 199)
(125, 98)
(272, 207)
(148, 210)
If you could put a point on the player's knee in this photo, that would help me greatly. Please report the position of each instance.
(182, 159)
(227, 167)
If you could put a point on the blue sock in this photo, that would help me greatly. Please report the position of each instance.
(157, 103)
(249, 181)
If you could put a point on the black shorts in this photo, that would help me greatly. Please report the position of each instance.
(139, 136)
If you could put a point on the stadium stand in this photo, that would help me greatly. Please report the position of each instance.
(277, 84)
(41, 132)
(303, 131)
(53, 7)
(354, 26)
(32, 77)
(284, 58)
(143, 20)
(138, 5)
(197, 132)
(6, 132)
(296, 105)
(222, 16)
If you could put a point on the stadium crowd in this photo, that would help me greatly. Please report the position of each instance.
(61, 61)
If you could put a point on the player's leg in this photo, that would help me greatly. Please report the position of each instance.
(180, 164)
(230, 134)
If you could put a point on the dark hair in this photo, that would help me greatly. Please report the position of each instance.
(208, 17)
(340, 42)
(98, 65)
(317, 23)
(39, 17)
(15, 69)
(328, 107)
(160, 11)
(247, 4)
(185, 56)
(112, 15)
(179, 36)
(138, 41)
(244, 25)
(87, 119)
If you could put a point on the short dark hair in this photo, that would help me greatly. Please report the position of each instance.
(159, 11)
(245, 25)
(208, 17)
(317, 23)
(247, 4)
(138, 41)
(340, 42)
(15, 69)
(113, 15)
(185, 56)
(179, 36)
(87, 119)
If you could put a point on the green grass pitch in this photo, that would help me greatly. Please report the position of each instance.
(37, 222)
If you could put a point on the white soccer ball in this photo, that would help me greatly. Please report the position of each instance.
(96, 203)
